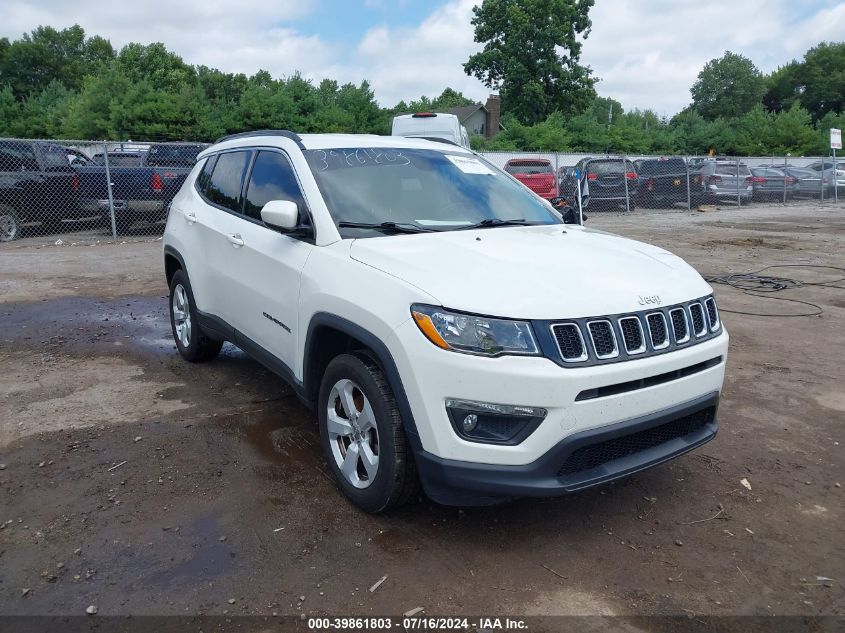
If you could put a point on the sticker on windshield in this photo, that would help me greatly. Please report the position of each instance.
(469, 164)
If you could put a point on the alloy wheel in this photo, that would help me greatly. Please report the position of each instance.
(353, 434)
(182, 315)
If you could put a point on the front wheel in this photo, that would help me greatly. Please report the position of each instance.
(191, 341)
(362, 435)
(10, 224)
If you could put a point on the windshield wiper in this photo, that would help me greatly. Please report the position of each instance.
(392, 227)
(492, 222)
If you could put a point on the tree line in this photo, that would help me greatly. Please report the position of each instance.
(66, 84)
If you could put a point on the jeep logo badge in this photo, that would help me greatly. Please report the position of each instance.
(649, 300)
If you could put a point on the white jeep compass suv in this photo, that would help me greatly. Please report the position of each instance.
(449, 328)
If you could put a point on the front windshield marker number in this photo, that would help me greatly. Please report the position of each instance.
(469, 164)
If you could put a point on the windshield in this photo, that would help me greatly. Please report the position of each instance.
(429, 189)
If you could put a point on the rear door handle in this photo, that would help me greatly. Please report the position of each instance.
(235, 240)
(190, 217)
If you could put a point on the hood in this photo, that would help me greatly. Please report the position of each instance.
(538, 272)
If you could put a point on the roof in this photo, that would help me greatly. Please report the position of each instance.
(464, 112)
(329, 141)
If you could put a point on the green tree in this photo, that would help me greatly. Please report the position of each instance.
(822, 79)
(43, 115)
(531, 54)
(29, 64)
(792, 132)
(154, 63)
(9, 111)
(729, 86)
(782, 87)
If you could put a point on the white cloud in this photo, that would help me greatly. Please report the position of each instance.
(647, 54)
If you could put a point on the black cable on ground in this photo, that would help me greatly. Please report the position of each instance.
(754, 284)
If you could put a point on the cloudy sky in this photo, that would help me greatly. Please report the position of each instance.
(647, 53)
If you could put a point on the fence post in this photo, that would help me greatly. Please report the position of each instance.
(109, 189)
(689, 194)
(625, 180)
(738, 198)
(785, 176)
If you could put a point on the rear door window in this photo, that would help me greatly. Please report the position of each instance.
(272, 178)
(224, 187)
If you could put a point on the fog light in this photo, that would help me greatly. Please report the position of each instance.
(493, 423)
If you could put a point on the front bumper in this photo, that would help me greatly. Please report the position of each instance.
(606, 453)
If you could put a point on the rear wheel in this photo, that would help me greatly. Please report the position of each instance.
(191, 341)
(362, 435)
(10, 224)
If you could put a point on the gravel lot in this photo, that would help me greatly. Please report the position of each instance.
(143, 485)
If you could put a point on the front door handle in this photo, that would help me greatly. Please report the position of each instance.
(235, 240)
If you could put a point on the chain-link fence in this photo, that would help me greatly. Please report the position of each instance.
(88, 191)
(626, 183)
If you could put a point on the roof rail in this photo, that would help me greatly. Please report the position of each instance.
(286, 133)
(435, 139)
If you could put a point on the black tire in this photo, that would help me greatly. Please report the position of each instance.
(199, 347)
(396, 481)
(10, 224)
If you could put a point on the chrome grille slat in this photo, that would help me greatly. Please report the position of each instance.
(680, 325)
(603, 339)
(697, 320)
(657, 330)
(632, 335)
(570, 342)
(712, 314)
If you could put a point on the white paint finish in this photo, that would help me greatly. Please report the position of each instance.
(539, 272)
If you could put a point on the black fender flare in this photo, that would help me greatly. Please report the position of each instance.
(381, 355)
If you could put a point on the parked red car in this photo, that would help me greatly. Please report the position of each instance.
(535, 173)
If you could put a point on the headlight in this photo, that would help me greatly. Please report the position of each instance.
(474, 334)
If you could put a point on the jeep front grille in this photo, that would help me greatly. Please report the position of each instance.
(620, 337)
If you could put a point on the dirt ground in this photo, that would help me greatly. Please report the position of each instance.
(136, 482)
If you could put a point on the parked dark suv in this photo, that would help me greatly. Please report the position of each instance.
(608, 180)
(37, 183)
(665, 182)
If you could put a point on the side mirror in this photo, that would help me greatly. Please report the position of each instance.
(570, 215)
(280, 214)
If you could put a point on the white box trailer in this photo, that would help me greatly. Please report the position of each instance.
(431, 125)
